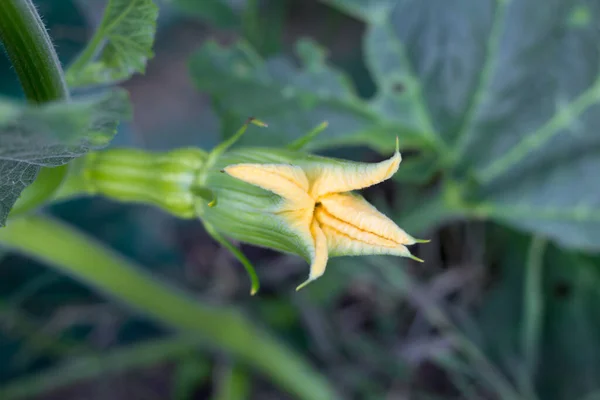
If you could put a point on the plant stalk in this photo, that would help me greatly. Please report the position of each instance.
(38, 69)
(73, 253)
(31, 53)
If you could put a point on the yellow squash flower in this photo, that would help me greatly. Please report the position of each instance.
(318, 206)
(282, 199)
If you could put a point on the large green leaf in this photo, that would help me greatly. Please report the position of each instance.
(126, 35)
(502, 93)
(511, 88)
(292, 99)
(50, 135)
(566, 361)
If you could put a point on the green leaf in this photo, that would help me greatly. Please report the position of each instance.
(32, 137)
(504, 95)
(191, 371)
(509, 91)
(84, 368)
(234, 384)
(218, 12)
(293, 100)
(126, 36)
(362, 9)
(572, 334)
(566, 305)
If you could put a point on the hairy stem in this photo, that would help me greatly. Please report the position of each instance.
(38, 69)
(31, 53)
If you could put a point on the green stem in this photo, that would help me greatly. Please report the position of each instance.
(92, 46)
(88, 261)
(31, 53)
(234, 385)
(533, 306)
(36, 64)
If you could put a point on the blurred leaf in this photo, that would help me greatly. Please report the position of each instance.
(362, 9)
(293, 100)
(509, 90)
(233, 385)
(570, 362)
(569, 357)
(126, 35)
(87, 367)
(81, 257)
(50, 135)
(419, 169)
(218, 12)
(35, 341)
(190, 372)
(263, 23)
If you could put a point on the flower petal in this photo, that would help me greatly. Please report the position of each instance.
(354, 227)
(345, 176)
(320, 256)
(355, 211)
(287, 181)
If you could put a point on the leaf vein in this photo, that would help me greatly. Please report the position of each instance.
(538, 138)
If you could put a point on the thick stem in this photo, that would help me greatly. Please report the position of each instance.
(86, 260)
(30, 51)
(36, 64)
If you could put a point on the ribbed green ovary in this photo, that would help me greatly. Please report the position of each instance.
(162, 179)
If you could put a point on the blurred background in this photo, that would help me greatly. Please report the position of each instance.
(455, 327)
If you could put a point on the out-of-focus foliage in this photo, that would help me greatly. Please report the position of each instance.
(560, 295)
(52, 135)
(495, 103)
(125, 37)
(218, 12)
(508, 111)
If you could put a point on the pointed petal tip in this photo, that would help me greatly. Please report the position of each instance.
(397, 145)
(257, 122)
(422, 240)
(415, 258)
(304, 284)
(253, 291)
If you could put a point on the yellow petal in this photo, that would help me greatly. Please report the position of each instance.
(287, 181)
(352, 226)
(299, 221)
(354, 210)
(344, 176)
(320, 256)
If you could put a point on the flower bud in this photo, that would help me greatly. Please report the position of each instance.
(282, 199)
(301, 204)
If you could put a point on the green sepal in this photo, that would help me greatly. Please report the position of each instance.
(206, 194)
(224, 146)
(255, 283)
(303, 141)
